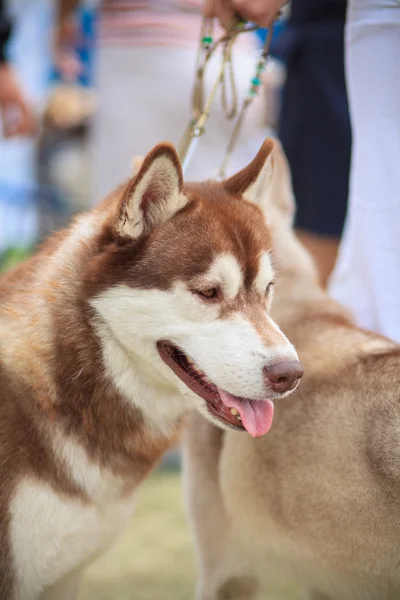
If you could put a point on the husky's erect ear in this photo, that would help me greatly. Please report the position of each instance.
(266, 181)
(137, 162)
(280, 195)
(154, 195)
(254, 180)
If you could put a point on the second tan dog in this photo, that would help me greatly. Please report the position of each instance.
(315, 503)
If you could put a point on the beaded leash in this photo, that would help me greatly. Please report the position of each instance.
(201, 109)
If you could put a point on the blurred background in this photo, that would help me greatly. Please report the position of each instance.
(46, 179)
(127, 70)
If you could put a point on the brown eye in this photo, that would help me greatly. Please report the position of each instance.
(269, 287)
(210, 294)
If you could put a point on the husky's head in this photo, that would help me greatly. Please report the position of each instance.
(188, 281)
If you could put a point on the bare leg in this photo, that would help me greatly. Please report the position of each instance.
(323, 249)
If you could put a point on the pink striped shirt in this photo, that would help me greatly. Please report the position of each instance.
(151, 23)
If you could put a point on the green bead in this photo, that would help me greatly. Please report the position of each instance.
(240, 22)
(207, 40)
(256, 81)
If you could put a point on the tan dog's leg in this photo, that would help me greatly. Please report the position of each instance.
(65, 589)
(315, 595)
(223, 574)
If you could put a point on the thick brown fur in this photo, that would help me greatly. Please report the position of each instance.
(315, 503)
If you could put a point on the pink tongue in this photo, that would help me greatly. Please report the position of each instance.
(256, 415)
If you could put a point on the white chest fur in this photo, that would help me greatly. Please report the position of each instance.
(52, 534)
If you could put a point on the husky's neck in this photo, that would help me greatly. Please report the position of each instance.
(160, 403)
(298, 289)
(57, 359)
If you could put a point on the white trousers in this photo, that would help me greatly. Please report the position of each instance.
(367, 274)
(144, 95)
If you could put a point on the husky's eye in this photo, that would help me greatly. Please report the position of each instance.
(269, 287)
(209, 294)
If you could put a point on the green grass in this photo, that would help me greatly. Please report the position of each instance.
(153, 560)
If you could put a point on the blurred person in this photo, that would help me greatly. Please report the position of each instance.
(145, 73)
(367, 274)
(63, 154)
(26, 69)
(314, 121)
(314, 124)
(16, 113)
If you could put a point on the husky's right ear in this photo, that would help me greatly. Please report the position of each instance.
(154, 195)
(266, 181)
(137, 162)
(254, 180)
(280, 195)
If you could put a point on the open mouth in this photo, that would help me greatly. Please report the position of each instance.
(255, 416)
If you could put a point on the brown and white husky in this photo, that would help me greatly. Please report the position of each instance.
(151, 304)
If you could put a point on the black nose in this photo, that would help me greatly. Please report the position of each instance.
(283, 376)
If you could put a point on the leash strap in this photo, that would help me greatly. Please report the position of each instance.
(225, 79)
(251, 94)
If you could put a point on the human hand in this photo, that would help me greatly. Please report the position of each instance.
(16, 115)
(260, 12)
(65, 59)
(220, 9)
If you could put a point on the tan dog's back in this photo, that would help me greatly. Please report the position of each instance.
(315, 502)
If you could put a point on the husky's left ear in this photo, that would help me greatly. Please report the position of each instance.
(254, 180)
(154, 195)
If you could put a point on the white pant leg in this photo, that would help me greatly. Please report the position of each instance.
(367, 275)
(144, 97)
